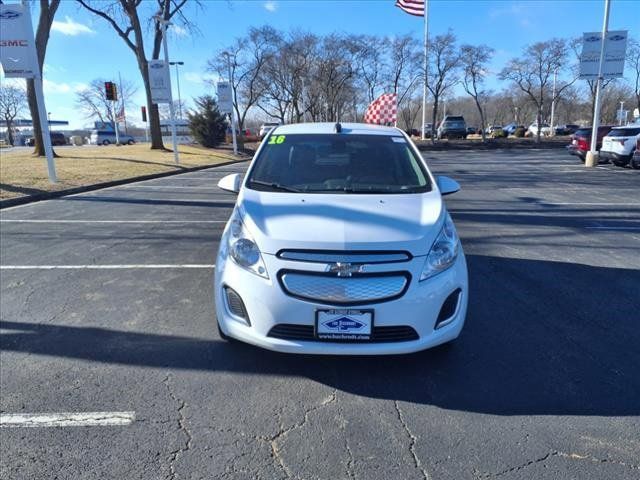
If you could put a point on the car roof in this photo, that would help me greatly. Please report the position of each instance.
(330, 128)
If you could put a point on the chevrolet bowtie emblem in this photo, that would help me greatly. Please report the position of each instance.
(344, 269)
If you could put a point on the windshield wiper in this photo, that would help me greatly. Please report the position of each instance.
(274, 186)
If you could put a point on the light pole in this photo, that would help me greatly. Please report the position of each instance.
(591, 159)
(233, 105)
(621, 112)
(164, 24)
(49, 117)
(553, 103)
(178, 82)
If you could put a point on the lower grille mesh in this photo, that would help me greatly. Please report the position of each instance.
(290, 331)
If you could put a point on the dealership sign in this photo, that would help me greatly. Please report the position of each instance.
(615, 47)
(160, 81)
(225, 103)
(17, 48)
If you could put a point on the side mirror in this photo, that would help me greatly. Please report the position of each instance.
(447, 185)
(231, 183)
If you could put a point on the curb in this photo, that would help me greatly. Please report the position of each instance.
(12, 202)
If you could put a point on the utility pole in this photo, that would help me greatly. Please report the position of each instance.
(233, 105)
(553, 104)
(164, 24)
(621, 112)
(592, 155)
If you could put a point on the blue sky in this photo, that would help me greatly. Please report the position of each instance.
(83, 47)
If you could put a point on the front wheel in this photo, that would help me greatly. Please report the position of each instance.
(635, 162)
(130, 142)
(106, 142)
(621, 162)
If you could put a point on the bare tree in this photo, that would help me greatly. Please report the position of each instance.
(474, 60)
(534, 71)
(13, 101)
(126, 17)
(633, 62)
(178, 106)
(444, 59)
(94, 104)
(48, 10)
(244, 62)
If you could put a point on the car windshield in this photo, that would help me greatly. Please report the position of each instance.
(320, 163)
(624, 132)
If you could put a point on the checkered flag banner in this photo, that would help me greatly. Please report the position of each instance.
(383, 110)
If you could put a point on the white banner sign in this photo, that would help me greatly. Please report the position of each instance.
(17, 48)
(615, 48)
(225, 102)
(160, 81)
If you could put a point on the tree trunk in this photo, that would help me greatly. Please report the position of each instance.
(484, 134)
(539, 121)
(9, 124)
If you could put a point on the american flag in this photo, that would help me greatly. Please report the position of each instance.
(413, 7)
(383, 110)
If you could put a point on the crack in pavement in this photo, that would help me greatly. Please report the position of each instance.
(175, 454)
(555, 453)
(273, 440)
(412, 442)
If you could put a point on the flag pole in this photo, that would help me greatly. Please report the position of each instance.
(426, 67)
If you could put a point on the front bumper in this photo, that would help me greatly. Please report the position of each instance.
(268, 305)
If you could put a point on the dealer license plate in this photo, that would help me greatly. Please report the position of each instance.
(345, 324)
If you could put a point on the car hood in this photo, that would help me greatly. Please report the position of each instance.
(279, 221)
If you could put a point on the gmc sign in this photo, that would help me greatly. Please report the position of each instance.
(13, 43)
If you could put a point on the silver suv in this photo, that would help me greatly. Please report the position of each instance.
(108, 137)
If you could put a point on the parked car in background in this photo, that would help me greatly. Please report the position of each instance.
(427, 130)
(492, 128)
(57, 138)
(452, 126)
(619, 144)
(581, 140)
(471, 130)
(545, 129)
(635, 160)
(413, 132)
(510, 128)
(108, 137)
(265, 128)
(568, 129)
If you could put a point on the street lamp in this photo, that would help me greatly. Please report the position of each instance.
(178, 82)
(49, 116)
(233, 103)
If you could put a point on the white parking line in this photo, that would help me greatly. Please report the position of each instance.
(87, 419)
(9, 220)
(615, 228)
(106, 267)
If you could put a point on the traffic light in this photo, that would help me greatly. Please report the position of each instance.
(111, 91)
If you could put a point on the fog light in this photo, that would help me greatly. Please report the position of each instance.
(448, 309)
(235, 304)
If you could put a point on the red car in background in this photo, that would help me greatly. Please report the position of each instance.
(581, 140)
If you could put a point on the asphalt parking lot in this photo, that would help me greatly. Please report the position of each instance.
(107, 319)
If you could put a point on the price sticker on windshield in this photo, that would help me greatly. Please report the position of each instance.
(276, 139)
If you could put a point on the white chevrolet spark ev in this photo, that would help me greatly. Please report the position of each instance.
(340, 243)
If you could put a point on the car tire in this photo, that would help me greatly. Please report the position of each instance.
(130, 142)
(634, 162)
(106, 142)
(621, 162)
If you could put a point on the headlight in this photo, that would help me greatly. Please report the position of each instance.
(444, 250)
(242, 249)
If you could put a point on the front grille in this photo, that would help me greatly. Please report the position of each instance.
(353, 257)
(290, 331)
(333, 290)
